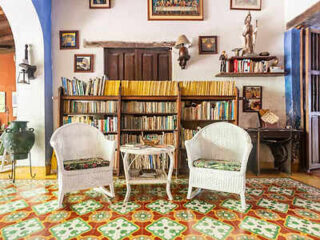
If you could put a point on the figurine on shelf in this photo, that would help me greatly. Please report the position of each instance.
(236, 51)
(250, 36)
(223, 58)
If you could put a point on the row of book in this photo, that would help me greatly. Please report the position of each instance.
(166, 138)
(221, 110)
(89, 106)
(150, 123)
(207, 88)
(247, 66)
(104, 125)
(100, 86)
(187, 134)
(151, 162)
(149, 107)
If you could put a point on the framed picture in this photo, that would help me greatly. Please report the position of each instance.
(83, 62)
(254, 5)
(175, 10)
(100, 4)
(208, 45)
(252, 98)
(69, 40)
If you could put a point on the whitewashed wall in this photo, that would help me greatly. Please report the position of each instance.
(26, 29)
(127, 21)
(293, 8)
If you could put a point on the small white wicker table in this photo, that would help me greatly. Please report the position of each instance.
(162, 178)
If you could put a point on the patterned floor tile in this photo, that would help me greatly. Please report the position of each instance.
(308, 204)
(234, 205)
(165, 228)
(22, 229)
(307, 214)
(199, 206)
(16, 216)
(100, 216)
(142, 216)
(33, 192)
(184, 215)
(267, 214)
(285, 191)
(303, 225)
(12, 206)
(162, 206)
(213, 228)
(70, 229)
(58, 216)
(226, 215)
(118, 229)
(86, 207)
(46, 207)
(7, 191)
(260, 227)
(273, 205)
(124, 208)
(254, 192)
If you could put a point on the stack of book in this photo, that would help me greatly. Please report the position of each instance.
(249, 66)
(149, 107)
(207, 88)
(94, 87)
(106, 125)
(151, 162)
(150, 123)
(149, 88)
(221, 110)
(78, 119)
(187, 134)
(89, 106)
(166, 138)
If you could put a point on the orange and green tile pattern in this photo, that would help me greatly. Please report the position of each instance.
(277, 208)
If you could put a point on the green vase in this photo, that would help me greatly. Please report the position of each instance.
(18, 140)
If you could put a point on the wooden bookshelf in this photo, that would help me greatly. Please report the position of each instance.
(267, 74)
(179, 163)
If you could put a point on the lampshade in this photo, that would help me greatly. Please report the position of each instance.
(182, 40)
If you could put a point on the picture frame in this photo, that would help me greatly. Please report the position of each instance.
(99, 4)
(208, 45)
(252, 98)
(252, 5)
(69, 39)
(83, 63)
(190, 11)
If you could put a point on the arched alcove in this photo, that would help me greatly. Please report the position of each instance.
(26, 28)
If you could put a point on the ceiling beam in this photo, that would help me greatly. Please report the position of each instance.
(6, 38)
(4, 25)
(1, 12)
(304, 17)
(117, 44)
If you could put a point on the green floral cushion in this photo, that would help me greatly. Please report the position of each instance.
(217, 164)
(80, 164)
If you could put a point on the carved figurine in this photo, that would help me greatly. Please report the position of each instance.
(223, 58)
(249, 35)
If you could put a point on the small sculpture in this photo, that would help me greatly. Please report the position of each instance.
(249, 35)
(237, 52)
(223, 58)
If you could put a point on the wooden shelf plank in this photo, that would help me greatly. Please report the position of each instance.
(90, 114)
(144, 130)
(206, 121)
(203, 97)
(110, 133)
(150, 98)
(90, 98)
(254, 58)
(268, 74)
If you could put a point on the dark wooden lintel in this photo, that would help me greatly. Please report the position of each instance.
(4, 25)
(307, 18)
(6, 38)
(117, 44)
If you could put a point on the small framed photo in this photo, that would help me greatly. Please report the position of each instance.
(252, 98)
(254, 5)
(69, 40)
(98, 4)
(208, 45)
(83, 62)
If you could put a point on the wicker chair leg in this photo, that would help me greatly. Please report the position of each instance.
(189, 192)
(60, 198)
(243, 201)
(112, 190)
(106, 192)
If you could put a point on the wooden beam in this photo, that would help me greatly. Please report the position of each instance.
(1, 12)
(117, 44)
(6, 38)
(303, 18)
(4, 25)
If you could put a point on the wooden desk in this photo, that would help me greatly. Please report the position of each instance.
(282, 142)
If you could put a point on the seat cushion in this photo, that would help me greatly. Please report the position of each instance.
(87, 163)
(217, 164)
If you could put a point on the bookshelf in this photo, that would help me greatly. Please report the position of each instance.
(135, 112)
(257, 66)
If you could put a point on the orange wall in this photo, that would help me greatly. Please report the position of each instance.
(7, 82)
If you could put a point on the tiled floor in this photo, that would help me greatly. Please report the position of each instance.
(278, 208)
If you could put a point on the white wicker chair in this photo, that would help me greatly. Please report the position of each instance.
(81, 141)
(219, 141)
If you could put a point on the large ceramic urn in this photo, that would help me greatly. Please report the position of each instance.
(18, 140)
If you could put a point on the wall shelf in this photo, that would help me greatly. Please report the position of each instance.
(268, 74)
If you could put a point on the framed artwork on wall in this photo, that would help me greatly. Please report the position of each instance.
(252, 98)
(69, 40)
(254, 5)
(98, 4)
(83, 62)
(208, 45)
(175, 10)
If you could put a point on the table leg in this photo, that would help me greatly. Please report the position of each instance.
(126, 173)
(169, 176)
(258, 154)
